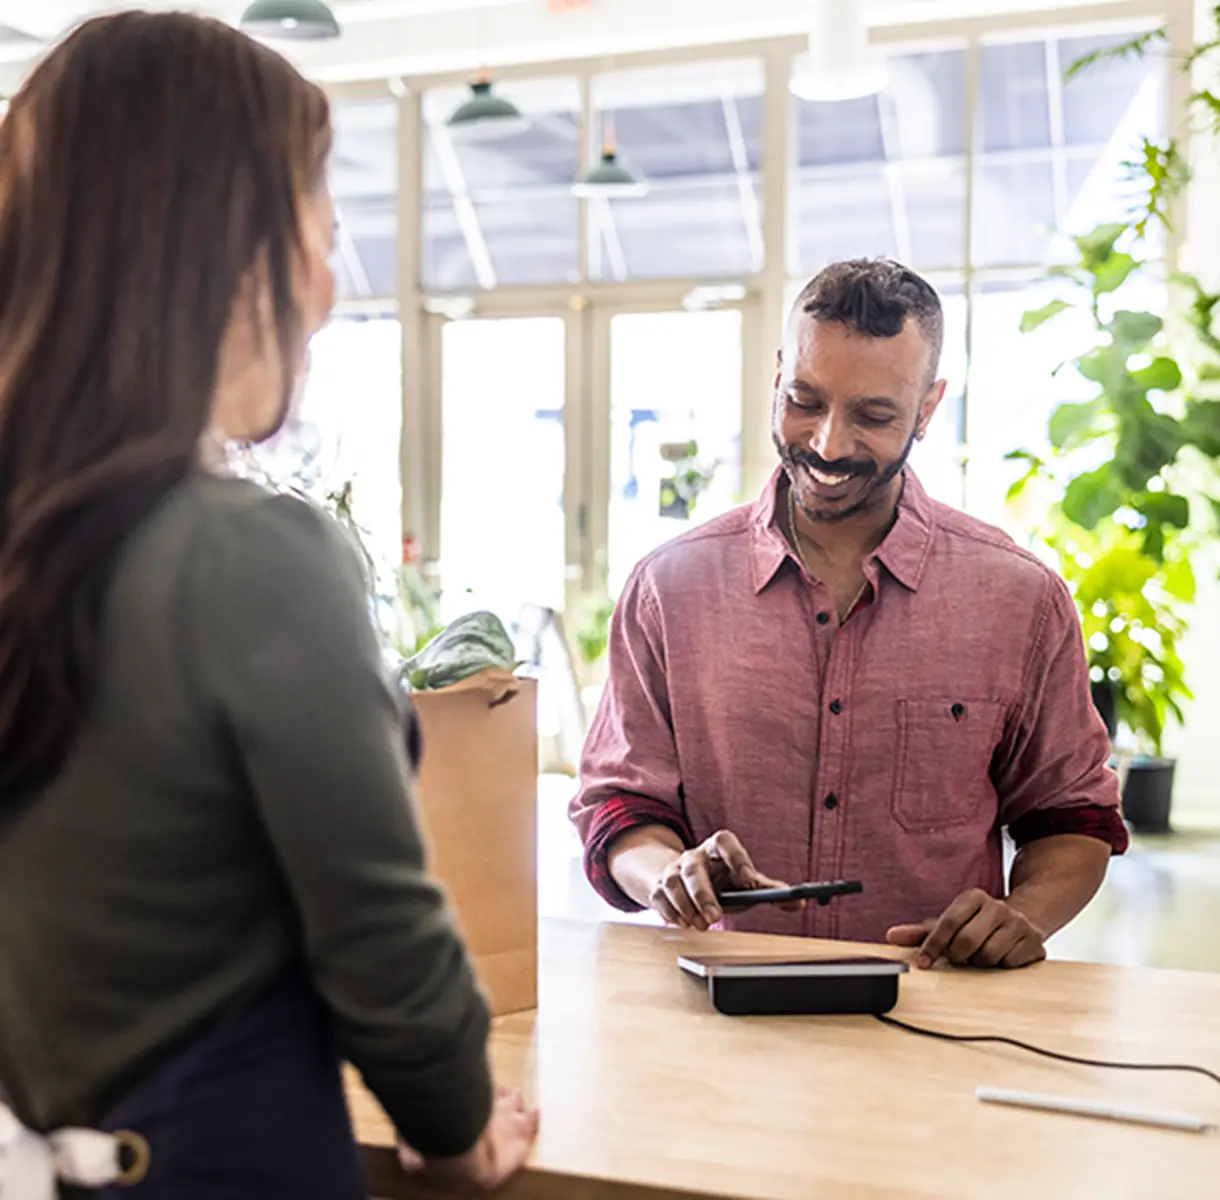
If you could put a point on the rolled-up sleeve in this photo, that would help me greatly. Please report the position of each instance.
(629, 771)
(1053, 776)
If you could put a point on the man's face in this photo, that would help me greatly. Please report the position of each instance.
(848, 408)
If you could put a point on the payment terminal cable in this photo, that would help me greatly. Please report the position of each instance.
(997, 1040)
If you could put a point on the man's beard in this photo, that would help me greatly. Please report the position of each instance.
(794, 459)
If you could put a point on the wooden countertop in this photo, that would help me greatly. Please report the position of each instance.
(647, 1092)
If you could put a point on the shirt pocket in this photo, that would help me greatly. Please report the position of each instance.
(942, 771)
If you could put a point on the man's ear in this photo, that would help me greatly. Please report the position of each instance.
(779, 367)
(929, 405)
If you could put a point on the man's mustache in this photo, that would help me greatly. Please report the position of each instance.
(842, 466)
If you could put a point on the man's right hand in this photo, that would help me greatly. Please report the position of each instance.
(685, 891)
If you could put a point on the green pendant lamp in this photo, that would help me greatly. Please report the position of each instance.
(486, 116)
(294, 20)
(609, 180)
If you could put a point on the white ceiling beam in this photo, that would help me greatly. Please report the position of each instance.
(385, 38)
(461, 39)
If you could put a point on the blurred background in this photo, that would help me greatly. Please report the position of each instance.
(569, 234)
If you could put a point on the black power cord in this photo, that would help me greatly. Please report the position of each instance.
(996, 1040)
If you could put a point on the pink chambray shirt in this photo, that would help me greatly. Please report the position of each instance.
(893, 748)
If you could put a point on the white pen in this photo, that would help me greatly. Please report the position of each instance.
(1092, 1108)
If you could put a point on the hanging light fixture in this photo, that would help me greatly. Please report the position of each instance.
(839, 65)
(608, 179)
(295, 20)
(485, 115)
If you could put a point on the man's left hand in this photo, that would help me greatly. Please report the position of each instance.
(975, 930)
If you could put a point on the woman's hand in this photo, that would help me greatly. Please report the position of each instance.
(497, 1156)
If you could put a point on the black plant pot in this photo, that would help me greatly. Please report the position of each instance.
(1148, 794)
(1105, 700)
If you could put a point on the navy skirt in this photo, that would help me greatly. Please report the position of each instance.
(253, 1111)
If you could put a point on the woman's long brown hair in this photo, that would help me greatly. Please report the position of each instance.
(146, 167)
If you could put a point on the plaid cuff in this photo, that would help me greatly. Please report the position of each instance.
(1099, 821)
(615, 817)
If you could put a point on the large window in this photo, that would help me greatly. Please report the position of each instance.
(1051, 153)
(1050, 165)
(340, 444)
(675, 387)
(499, 212)
(884, 175)
(364, 180)
(502, 511)
(565, 397)
(693, 137)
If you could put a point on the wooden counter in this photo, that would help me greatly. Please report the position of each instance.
(646, 1092)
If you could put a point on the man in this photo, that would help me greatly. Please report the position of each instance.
(849, 680)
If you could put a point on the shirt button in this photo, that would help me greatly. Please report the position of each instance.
(823, 618)
(831, 802)
(836, 707)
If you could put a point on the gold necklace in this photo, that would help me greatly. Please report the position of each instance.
(800, 553)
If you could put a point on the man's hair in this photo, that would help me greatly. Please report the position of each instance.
(875, 296)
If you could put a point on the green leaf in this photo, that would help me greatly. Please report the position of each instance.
(1068, 421)
(1136, 47)
(1179, 580)
(1161, 173)
(1147, 443)
(1203, 425)
(1204, 48)
(1160, 375)
(473, 643)
(1165, 509)
(1134, 330)
(1092, 496)
(1207, 99)
(1039, 316)
(1098, 244)
(1023, 456)
(1111, 274)
(1099, 365)
(1154, 543)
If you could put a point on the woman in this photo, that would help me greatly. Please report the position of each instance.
(211, 879)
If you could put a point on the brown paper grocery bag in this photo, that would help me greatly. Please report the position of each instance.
(478, 794)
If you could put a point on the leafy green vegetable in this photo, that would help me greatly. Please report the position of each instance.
(472, 644)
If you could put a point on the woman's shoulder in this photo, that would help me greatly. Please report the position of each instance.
(230, 538)
(236, 514)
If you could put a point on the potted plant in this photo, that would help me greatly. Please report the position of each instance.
(592, 633)
(1127, 492)
(689, 479)
(1130, 486)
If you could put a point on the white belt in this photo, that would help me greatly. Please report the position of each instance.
(31, 1163)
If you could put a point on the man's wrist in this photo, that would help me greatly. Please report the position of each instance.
(1037, 910)
(637, 857)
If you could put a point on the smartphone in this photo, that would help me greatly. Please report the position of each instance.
(823, 893)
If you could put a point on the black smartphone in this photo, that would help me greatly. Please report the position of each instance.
(823, 893)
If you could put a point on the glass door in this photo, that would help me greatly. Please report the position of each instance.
(675, 383)
(502, 519)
